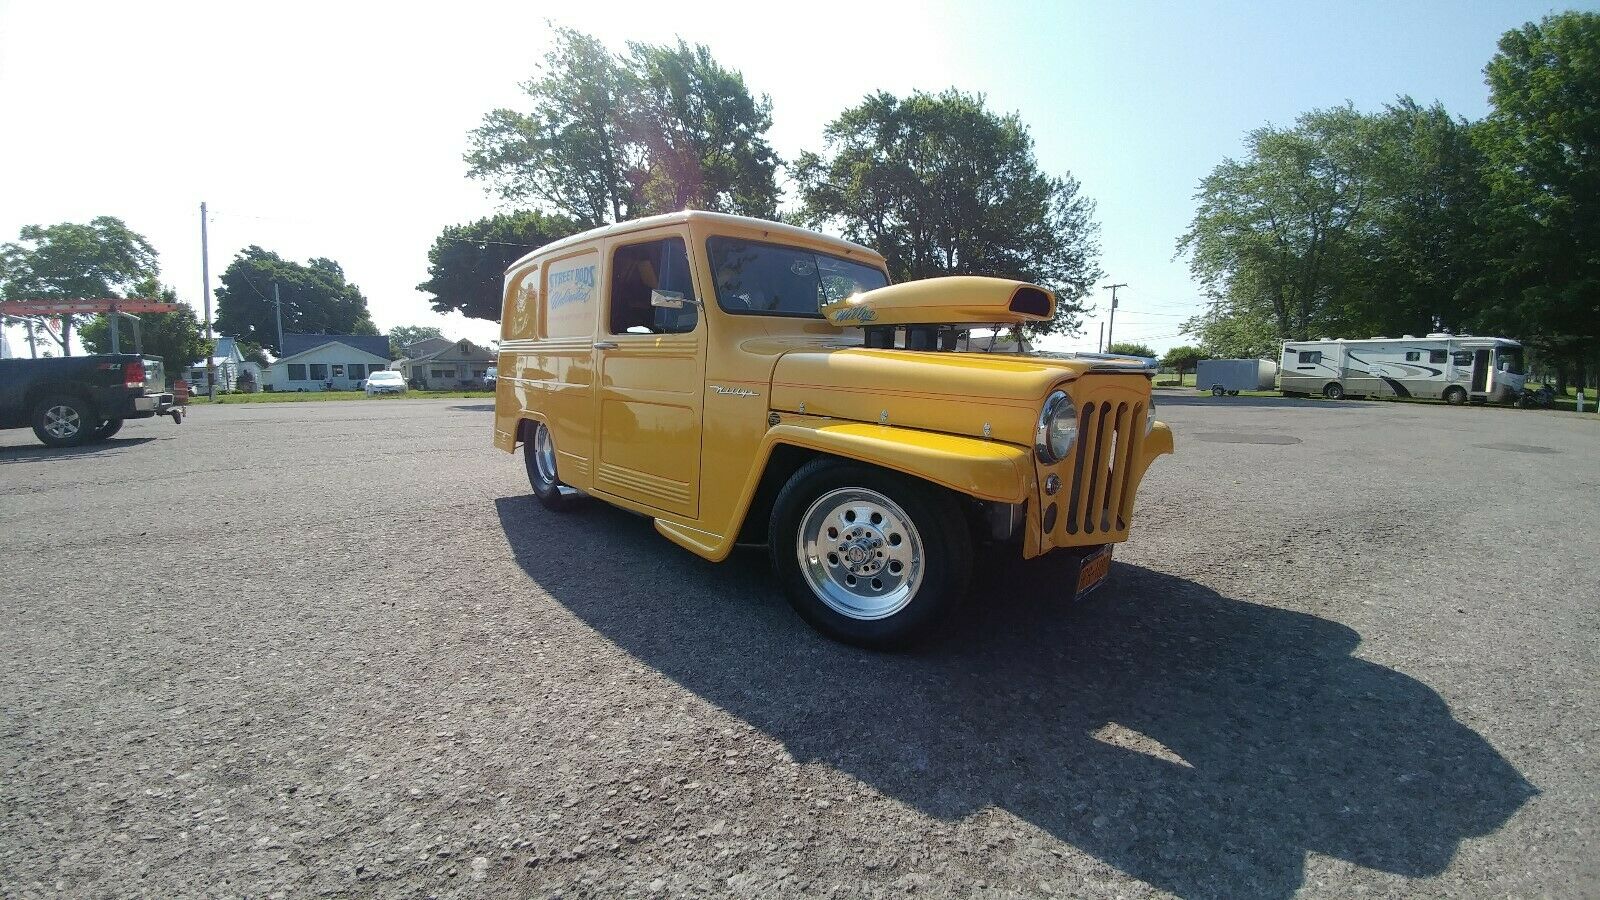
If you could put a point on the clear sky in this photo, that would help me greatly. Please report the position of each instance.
(328, 129)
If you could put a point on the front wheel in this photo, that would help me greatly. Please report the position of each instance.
(866, 556)
(1333, 390)
(1217, 391)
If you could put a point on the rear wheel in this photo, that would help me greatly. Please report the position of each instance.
(1217, 391)
(540, 456)
(1455, 395)
(1333, 390)
(868, 557)
(63, 420)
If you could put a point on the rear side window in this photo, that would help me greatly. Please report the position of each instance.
(1413, 356)
(1461, 358)
(640, 271)
(1436, 356)
(569, 296)
(1310, 357)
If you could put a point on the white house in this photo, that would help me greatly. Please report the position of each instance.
(320, 362)
(457, 365)
(233, 370)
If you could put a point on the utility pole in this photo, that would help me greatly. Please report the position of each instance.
(205, 276)
(1113, 323)
(278, 303)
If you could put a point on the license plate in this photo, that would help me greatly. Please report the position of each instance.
(1093, 571)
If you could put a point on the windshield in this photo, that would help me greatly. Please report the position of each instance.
(385, 376)
(1508, 360)
(772, 279)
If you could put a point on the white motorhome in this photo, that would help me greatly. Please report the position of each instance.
(1450, 367)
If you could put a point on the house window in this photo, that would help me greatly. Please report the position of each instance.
(1436, 356)
(1310, 357)
(443, 373)
(319, 371)
(640, 270)
(338, 370)
(1413, 356)
(297, 371)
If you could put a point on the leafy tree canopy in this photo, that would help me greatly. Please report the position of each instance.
(316, 299)
(70, 261)
(940, 185)
(1128, 348)
(611, 137)
(467, 263)
(1542, 144)
(1183, 358)
(173, 336)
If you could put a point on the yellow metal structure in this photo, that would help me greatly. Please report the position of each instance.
(686, 427)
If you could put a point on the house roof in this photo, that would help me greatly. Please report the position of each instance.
(295, 344)
(452, 348)
(426, 346)
(338, 339)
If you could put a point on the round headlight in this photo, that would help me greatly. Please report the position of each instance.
(1058, 428)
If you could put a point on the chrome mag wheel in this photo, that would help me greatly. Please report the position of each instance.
(860, 553)
(545, 455)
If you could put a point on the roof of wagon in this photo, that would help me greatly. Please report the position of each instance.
(712, 220)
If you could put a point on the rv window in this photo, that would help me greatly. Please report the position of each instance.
(1413, 356)
(1436, 356)
(1311, 356)
(1462, 358)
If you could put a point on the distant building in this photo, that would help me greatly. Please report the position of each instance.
(425, 347)
(457, 365)
(320, 362)
(233, 371)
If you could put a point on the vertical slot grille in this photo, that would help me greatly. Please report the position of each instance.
(1101, 490)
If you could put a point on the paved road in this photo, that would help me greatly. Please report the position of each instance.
(308, 649)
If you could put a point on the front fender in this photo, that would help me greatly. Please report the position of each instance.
(988, 470)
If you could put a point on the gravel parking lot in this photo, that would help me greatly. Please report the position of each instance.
(336, 649)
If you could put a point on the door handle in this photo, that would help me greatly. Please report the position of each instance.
(605, 345)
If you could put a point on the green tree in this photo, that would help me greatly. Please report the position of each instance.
(1235, 331)
(609, 138)
(1281, 232)
(316, 299)
(173, 336)
(1129, 348)
(1542, 145)
(402, 336)
(1182, 359)
(940, 185)
(467, 263)
(69, 261)
(253, 352)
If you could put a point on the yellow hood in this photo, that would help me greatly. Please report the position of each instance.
(954, 300)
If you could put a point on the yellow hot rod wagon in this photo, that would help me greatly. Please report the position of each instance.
(743, 381)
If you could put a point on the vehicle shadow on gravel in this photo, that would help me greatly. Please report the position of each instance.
(1199, 743)
(109, 447)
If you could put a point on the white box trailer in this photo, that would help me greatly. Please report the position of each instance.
(1230, 376)
(1449, 367)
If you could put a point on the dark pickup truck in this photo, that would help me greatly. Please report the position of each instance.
(73, 400)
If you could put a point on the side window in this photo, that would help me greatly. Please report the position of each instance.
(569, 296)
(319, 371)
(1462, 358)
(1413, 356)
(338, 370)
(1310, 357)
(1436, 356)
(639, 271)
(297, 371)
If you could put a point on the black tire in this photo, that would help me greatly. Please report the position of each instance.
(1454, 395)
(546, 486)
(936, 526)
(1217, 391)
(1333, 390)
(64, 420)
(107, 428)
(1233, 393)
